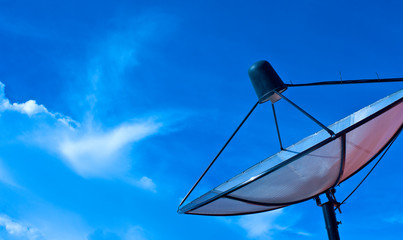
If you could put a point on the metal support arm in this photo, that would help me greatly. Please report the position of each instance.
(307, 114)
(278, 130)
(381, 80)
(219, 153)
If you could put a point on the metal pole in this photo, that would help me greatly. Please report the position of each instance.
(382, 80)
(331, 221)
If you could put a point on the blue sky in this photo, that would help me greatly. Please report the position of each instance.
(110, 111)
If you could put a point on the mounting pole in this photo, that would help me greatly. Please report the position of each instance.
(330, 215)
(331, 221)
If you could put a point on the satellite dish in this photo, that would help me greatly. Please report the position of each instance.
(310, 167)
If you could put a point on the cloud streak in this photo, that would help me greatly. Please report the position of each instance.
(269, 225)
(396, 219)
(100, 154)
(145, 183)
(260, 225)
(132, 233)
(5, 176)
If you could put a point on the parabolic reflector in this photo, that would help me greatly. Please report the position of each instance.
(309, 167)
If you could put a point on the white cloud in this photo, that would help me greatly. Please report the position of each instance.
(88, 151)
(260, 225)
(306, 234)
(144, 183)
(19, 229)
(271, 225)
(147, 183)
(99, 154)
(30, 108)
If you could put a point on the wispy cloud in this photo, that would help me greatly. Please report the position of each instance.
(260, 225)
(132, 233)
(135, 233)
(396, 219)
(18, 229)
(270, 224)
(99, 154)
(144, 183)
(5, 176)
(118, 52)
(54, 222)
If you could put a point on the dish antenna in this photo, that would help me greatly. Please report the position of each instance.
(312, 166)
